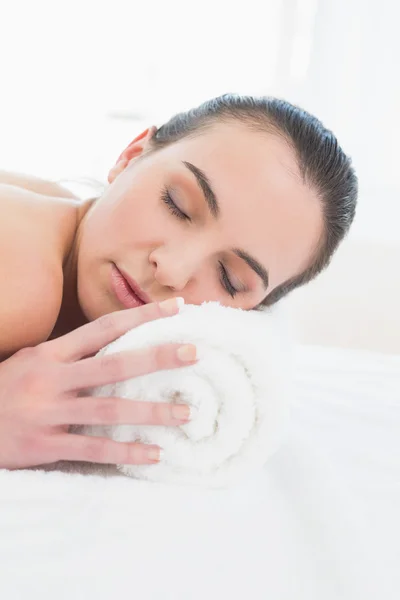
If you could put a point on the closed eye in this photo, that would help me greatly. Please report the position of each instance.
(177, 212)
(173, 208)
(226, 282)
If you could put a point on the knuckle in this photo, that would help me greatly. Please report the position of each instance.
(147, 310)
(158, 413)
(127, 453)
(34, 447)
(113, 365)
(34, 382)
(41, 351)
(161, 357)
(107, 322)
(106, 411)
(157, 310)
(150, 311)
(32, 353)
(132, 453)
(95, 450)
(37, 375)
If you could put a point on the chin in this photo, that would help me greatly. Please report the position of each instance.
(94, 301)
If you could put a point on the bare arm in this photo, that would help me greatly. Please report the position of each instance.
(35, 184)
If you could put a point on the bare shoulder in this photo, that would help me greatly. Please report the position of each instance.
(34, 232)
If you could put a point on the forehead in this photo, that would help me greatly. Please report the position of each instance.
(266, 208)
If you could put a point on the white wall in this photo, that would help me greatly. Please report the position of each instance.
(67, 68)
(355, 303)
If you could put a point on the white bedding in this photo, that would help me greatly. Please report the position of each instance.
(321, 521)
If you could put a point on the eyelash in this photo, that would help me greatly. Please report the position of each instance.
(172, 207)
(166, 197)
(226, 282)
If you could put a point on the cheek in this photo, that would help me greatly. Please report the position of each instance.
(117, 218)
(139, 219)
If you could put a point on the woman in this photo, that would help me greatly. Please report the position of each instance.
(239, 200)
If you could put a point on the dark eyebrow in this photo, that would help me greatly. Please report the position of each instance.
(212, 202)
(205, 185)
(254, 264)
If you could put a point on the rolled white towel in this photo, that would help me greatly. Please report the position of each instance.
(238, 393)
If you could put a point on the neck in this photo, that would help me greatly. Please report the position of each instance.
(71, 316)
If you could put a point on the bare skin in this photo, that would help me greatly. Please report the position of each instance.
(57, 254)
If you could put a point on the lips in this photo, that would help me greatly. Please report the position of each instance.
(126, 289)
(135, 287)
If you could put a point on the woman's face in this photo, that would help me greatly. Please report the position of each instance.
(222, 216)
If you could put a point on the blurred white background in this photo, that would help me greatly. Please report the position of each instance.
(80, 79)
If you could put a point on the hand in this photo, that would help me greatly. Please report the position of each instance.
(41, 394)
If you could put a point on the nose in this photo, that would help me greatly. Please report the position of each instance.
(175, 269)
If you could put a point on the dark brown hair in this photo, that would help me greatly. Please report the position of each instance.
(322, 163)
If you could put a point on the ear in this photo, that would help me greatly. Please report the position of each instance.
(139, 145)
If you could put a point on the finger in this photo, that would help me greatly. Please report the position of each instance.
(73, 447)
(119, 411)
(90, 338)
(110, 368)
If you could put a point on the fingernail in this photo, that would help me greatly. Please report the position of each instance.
(181, 412)
(180, 302)
(187, 353)
(154, 453)
(169, 306)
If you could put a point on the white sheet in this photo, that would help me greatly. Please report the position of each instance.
(320, 522)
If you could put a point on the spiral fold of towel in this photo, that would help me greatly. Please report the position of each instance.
(238, 392)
